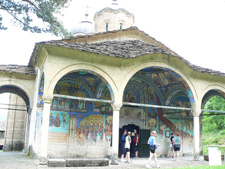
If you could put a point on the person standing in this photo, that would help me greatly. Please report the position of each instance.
(170, 152)
(122, 146)
(152, 148)
(136, 142)
(127, 146)
(176, 145)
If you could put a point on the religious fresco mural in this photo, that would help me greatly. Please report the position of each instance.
(79, 122)
(40, 102)
(58, 122)
(162, 86)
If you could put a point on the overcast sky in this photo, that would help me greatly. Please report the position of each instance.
(195, 29)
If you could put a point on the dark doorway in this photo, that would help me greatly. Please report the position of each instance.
(129, 127)
(144, 135)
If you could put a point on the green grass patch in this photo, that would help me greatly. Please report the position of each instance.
(204, 167)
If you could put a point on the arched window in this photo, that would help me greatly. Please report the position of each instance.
(106, 26)
(121, 26)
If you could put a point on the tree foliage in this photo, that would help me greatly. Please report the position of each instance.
(23, 12)
(216, 121)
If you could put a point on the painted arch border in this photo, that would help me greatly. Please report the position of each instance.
(141, 66)
(20, 85)
(81, 66)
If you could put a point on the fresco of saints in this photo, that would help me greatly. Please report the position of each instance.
(163, 79)
(131, 97)
(51, 119)
(54, 103)
(64, 120)
(57, 120)
(151, 94)
(155, 79)
(152, 124)
(100, 90)
(108, 127)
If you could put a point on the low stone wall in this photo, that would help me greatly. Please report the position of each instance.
(79, 162)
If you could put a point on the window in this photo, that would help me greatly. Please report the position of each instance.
(121, 26)
(106, 26)
(2, 133)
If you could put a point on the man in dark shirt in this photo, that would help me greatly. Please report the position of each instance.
(136, 142)
(123, 139)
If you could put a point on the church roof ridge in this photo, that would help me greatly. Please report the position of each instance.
(127, 49)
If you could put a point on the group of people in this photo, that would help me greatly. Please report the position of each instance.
(175, 143)
(125, 145)
(174, 146)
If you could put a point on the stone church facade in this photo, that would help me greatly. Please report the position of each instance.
(82, 92)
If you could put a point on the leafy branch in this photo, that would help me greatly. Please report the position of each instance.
(23, 11)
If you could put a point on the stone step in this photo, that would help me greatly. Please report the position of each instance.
(78, 162)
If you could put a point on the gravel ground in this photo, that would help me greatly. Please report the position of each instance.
(18, 160)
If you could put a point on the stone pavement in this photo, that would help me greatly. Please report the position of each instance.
(18, 160)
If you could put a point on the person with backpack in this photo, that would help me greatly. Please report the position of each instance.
(123, 140)
(152, 148)
(170, 152)
(177, 146)
(127, 146)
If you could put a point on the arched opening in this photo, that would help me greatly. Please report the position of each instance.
(212, 121)
(15, 109)
(157, 98)
(81, 116)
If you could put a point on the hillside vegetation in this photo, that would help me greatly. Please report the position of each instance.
(213, 124)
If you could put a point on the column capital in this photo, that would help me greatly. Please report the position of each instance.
(196, 113)
(116, 106)
(47, 99)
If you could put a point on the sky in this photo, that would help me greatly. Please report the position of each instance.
(194, 29)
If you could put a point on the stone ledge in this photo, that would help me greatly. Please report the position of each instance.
(86, 162)
(56, 163)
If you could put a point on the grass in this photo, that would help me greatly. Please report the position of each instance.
(204, 167)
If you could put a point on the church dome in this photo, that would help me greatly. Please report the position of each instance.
(83, 28)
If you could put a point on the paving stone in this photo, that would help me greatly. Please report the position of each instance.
(56, 163)
(86, 162)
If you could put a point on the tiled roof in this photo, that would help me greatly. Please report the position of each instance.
(122, 48)
(18, 69)
(116, 48)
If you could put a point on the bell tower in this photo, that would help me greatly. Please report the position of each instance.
(112, 18)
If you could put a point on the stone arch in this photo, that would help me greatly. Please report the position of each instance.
(210, 91)
(75, 67)
(19, 88)
(141, 66)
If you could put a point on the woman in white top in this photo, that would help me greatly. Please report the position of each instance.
(127, 147)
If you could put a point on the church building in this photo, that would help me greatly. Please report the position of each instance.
(81, 93)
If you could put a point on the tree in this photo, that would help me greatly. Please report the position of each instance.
(218, 119)
(23, 12)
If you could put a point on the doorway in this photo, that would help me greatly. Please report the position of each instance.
(129, 127)
(144, 134)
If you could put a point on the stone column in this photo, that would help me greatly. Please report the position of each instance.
(115, 135)
(196, 124)
(34, 110)
(44, 129)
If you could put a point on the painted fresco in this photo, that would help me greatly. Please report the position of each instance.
(58, 122)
(152, 124)
(40, 92)
(129, 115)
(84, 123)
